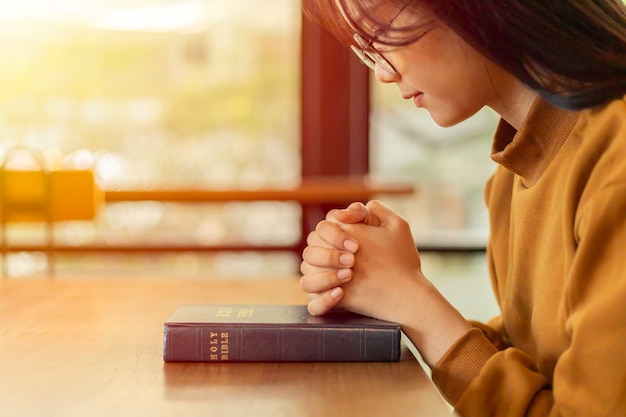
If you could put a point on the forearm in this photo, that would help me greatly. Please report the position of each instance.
(431, 323)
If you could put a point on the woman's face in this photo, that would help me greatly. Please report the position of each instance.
(443, 74)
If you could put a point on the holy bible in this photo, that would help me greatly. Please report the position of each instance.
(276, 333)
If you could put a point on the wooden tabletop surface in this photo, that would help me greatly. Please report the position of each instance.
(93, 347)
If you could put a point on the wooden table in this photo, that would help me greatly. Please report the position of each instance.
(93, 347)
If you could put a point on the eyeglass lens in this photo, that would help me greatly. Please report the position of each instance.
(370, 56)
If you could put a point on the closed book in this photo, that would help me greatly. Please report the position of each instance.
(276, 333)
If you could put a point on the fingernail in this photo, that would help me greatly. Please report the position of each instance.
(344, 274)
(336, 293)
(350, 245)
(346, 259)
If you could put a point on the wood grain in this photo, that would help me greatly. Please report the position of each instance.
(93, 347)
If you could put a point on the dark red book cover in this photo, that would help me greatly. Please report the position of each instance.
(276, 333)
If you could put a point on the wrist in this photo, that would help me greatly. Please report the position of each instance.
(431, 323)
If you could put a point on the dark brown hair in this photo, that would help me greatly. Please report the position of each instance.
(572, 52)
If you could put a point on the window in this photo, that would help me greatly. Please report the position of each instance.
(198, 93)
(449, 167)
(448, 216)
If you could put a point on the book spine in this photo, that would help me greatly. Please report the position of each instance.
(220, 343)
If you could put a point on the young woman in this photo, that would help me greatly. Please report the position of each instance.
(555, 71)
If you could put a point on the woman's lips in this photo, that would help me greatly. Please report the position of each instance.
(417, 99)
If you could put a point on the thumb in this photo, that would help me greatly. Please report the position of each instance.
(355, 213)
(378, 213)
(359, 213)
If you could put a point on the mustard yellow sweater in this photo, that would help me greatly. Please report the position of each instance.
(557, 257)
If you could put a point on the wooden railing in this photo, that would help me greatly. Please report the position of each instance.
(321, 190)
(315, 195)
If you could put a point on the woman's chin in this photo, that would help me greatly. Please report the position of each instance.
(449, 117)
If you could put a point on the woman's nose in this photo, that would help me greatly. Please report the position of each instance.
(384, 76)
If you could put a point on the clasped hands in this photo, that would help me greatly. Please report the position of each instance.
(364, 259)
(356, 256)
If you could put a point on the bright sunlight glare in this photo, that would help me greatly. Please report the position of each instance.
(142, 15)
(59, 10)
(134, 15)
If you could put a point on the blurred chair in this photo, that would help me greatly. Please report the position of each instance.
(30, 192)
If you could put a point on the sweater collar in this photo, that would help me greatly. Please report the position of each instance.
(528, 151)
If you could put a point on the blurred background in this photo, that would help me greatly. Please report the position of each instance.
(207, 94)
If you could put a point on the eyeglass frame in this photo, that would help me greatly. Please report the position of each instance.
(371, 56)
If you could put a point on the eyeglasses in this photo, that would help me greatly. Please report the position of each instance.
(370, 56)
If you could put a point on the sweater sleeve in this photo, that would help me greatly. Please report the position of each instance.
(590, 375)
